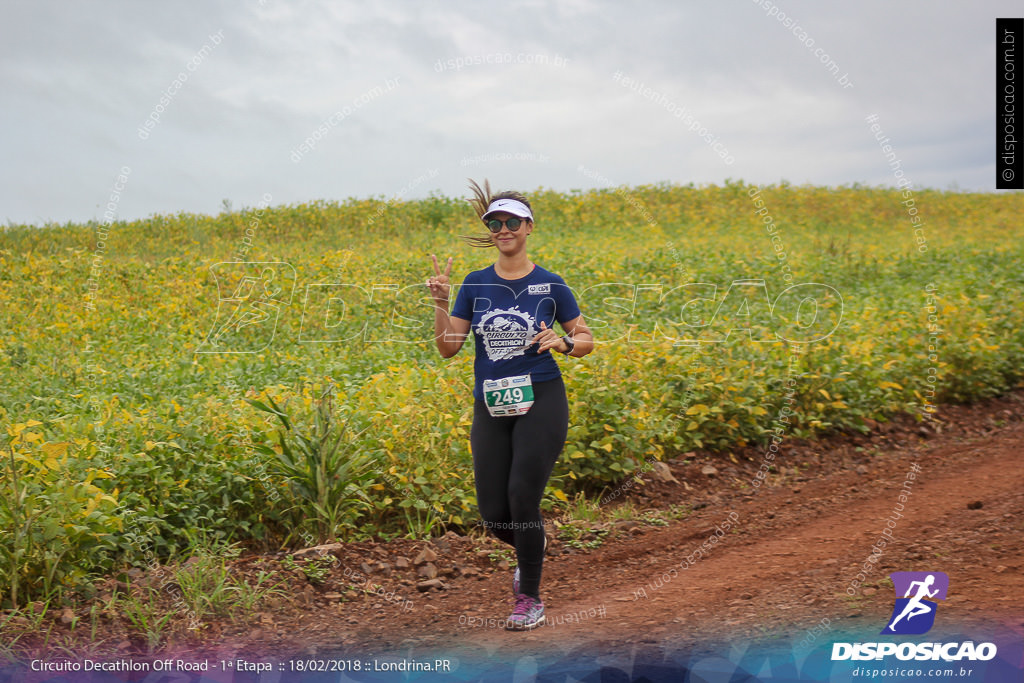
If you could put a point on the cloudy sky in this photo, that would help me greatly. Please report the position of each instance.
(307, 100)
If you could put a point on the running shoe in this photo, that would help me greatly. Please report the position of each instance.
(515, 577)
(528, 613)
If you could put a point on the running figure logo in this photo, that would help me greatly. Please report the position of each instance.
(914, 612)
(247, 317)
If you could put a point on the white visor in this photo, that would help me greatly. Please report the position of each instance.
(516, 208)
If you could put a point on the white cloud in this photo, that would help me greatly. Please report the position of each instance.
(78, 79)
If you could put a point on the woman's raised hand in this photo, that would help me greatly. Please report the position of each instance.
(439, 284)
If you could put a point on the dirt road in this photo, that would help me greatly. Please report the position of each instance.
(776, 565)
(780, 562)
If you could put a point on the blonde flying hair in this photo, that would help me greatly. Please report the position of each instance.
(482, 198)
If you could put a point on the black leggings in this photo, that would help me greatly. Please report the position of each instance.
(512, 460)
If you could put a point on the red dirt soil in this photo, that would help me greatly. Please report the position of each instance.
(782, 569)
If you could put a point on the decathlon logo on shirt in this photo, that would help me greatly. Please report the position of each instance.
(506, 332)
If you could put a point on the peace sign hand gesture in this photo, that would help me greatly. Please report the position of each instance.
(439, 284)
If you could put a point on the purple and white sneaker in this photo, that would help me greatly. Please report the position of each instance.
(528, 613)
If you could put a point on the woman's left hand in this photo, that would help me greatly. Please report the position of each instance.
(549, 339)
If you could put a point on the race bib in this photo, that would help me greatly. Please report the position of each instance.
(508, 395)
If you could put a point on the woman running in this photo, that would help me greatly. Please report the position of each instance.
(520, 411)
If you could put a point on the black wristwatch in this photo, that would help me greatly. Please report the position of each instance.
(568, 340)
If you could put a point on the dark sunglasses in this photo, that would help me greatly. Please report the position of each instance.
(494, 225)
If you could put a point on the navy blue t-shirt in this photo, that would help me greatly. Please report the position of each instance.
(505, 315)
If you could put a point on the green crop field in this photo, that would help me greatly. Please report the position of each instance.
(142, 369)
